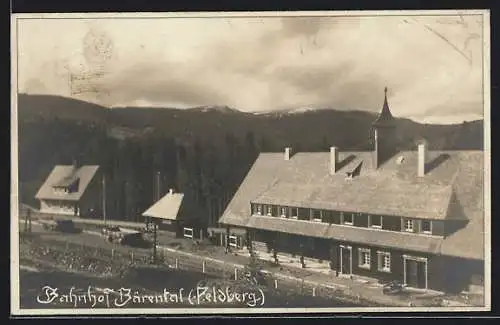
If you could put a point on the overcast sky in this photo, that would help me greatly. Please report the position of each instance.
(432, 66)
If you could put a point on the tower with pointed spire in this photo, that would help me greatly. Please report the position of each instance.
(384, 136)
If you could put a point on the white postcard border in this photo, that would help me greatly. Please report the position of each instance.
(14, 265)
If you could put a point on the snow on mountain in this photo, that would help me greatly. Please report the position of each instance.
(296, 110)
(214, 108)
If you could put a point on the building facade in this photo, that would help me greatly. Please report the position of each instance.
(71, 190)
(412, 216)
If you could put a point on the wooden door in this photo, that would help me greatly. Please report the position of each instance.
(346, 260)
(421, 275)
(411, 273)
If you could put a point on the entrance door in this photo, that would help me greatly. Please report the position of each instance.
(415, 274)
(345, 260)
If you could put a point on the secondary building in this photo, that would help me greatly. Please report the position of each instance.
(175, 217)
(412, 216)
(71, 190)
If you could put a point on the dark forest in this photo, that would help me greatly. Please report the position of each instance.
(204, 153)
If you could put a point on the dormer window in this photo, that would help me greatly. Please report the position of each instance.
(61, 190)
(67, 185)
(259, 209)
(355, 172)
(269, 211)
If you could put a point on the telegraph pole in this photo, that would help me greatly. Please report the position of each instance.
(26, 221)
(157, 198)
(104, 198)
(158, 186)
(29, 220)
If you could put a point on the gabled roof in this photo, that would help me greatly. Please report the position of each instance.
(64, 176)
(260, 177)
(166, 208)
(452, 188)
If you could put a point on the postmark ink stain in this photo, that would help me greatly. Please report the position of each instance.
(97, 47)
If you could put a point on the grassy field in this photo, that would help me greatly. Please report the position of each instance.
(63, 266)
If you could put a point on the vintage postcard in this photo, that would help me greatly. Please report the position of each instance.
(214, 163)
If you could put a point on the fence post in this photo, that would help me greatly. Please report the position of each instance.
(275, 283)
(235, 273)
(203, 266)
(132, 256)
(112, 253)
(176, 263)
(314, 291)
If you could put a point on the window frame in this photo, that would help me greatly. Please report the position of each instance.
(344, 222)
(405, 222)
(313, 217)
(370, 221)
(430, 227)
(188, 229)
(284, 216)
(362, 253)
(230, 240)
(381, 258)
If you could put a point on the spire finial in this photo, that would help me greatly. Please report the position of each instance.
(385, 116)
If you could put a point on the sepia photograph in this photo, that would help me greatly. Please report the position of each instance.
(264, 162)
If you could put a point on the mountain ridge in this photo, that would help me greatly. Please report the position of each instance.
(78, 103)
(305, 129)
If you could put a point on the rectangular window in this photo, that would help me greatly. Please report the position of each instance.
(294, 213)
(426, 226)
(408, 224)
(364, 258)
(316, 215)
(326, 216)
(384, 261)
(233, 241)
(284, 213)
(269, 211)
(259, 209)
(188, 232)
(348, 218)
(375, 221)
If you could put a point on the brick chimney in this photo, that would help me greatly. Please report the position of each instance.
(422, 153)
(288, 153)
(334, 159)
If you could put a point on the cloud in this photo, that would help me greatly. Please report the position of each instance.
(431, 65)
